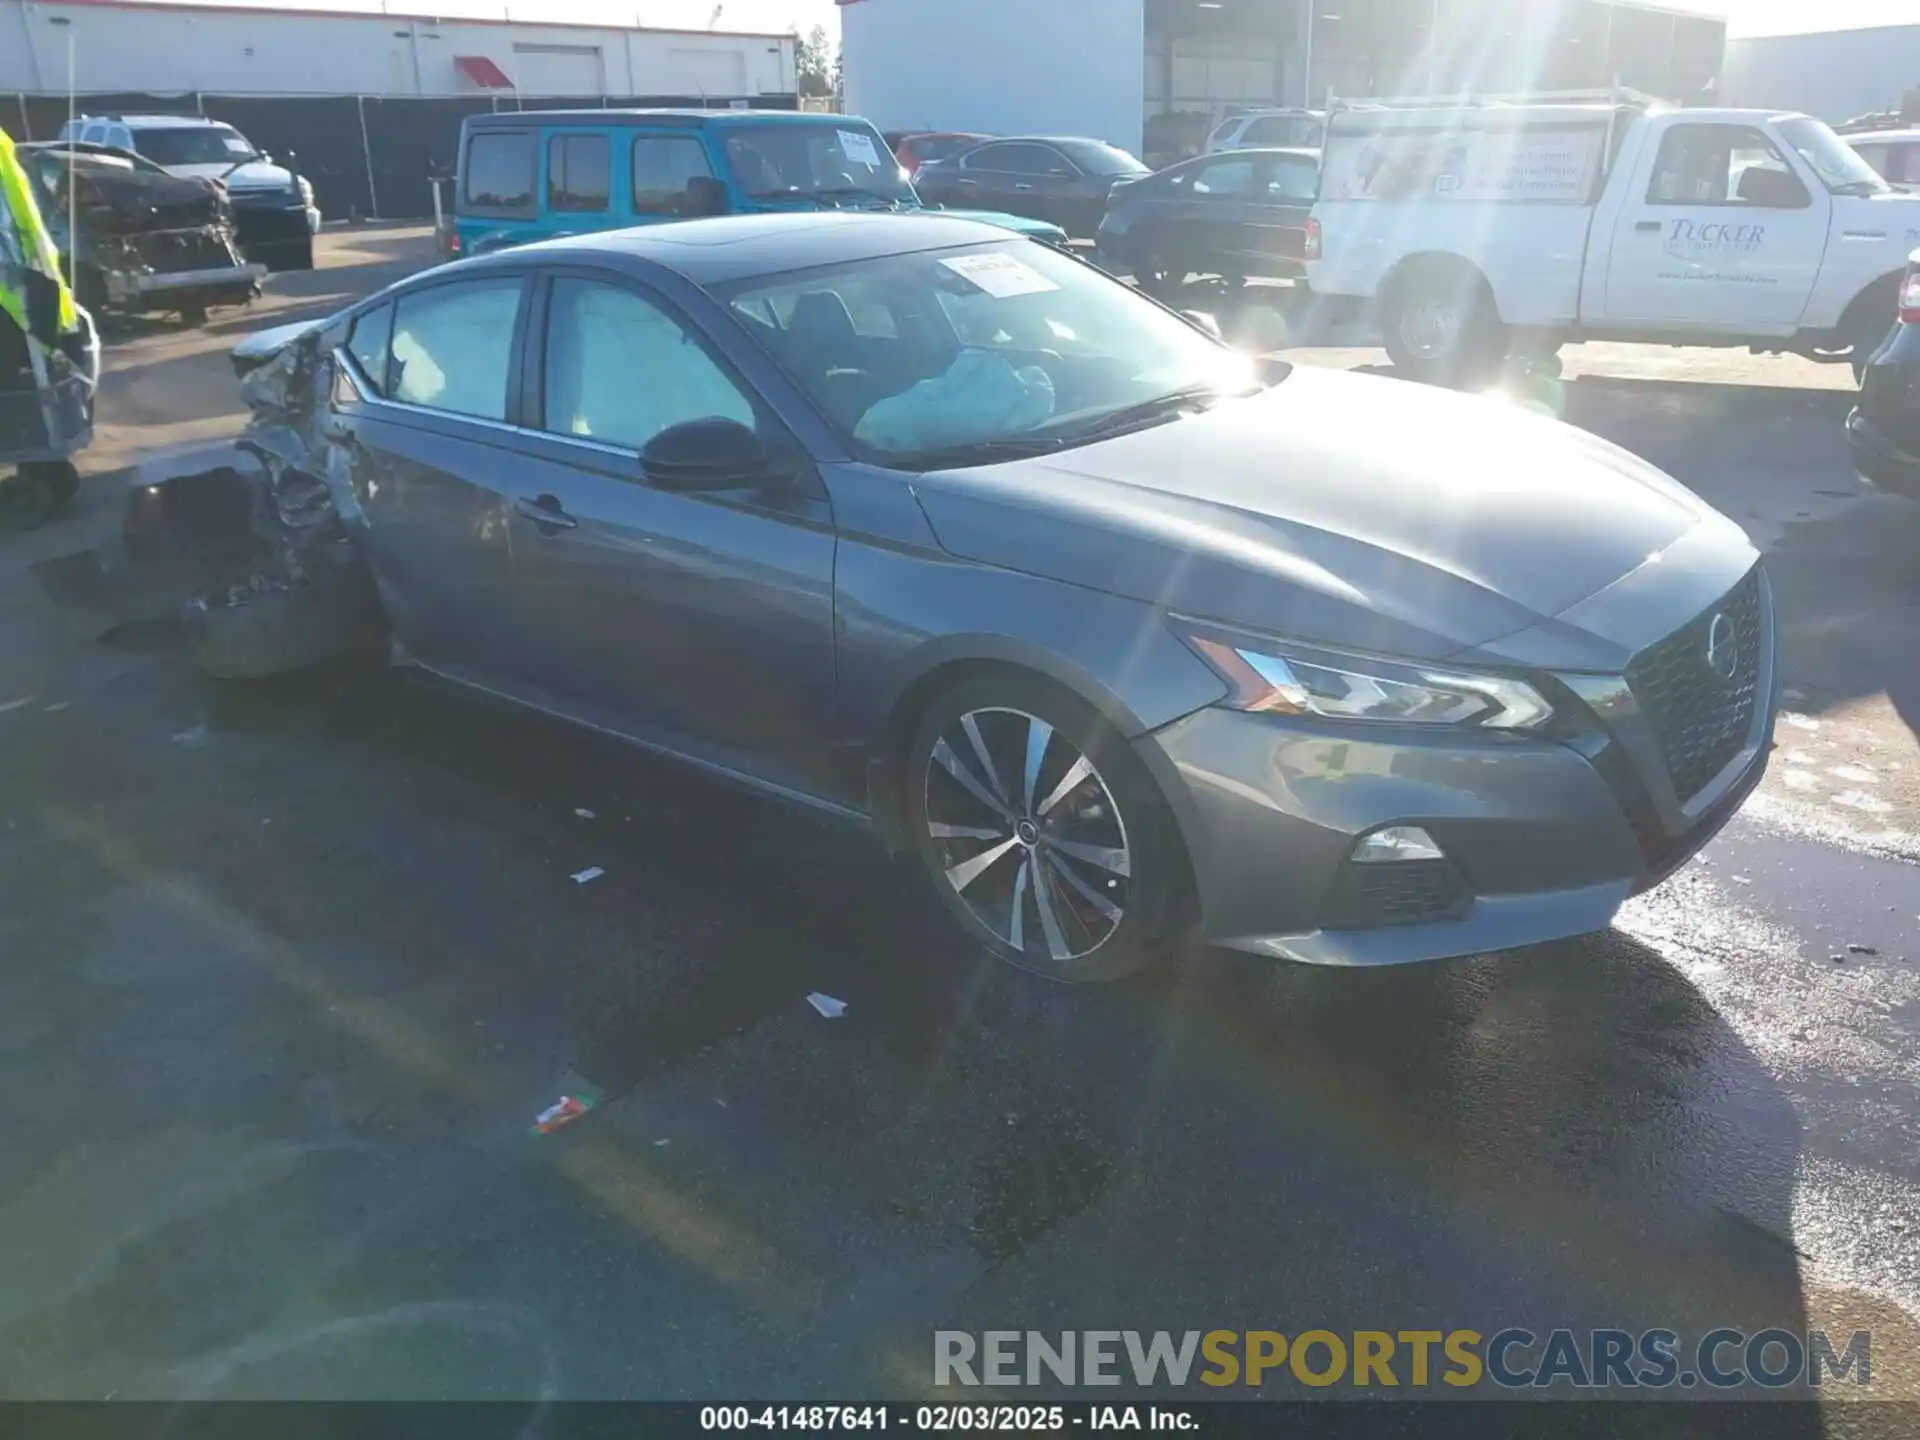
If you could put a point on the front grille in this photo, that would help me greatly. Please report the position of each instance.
(1701, 718)
(175, 251)
(1399, 892)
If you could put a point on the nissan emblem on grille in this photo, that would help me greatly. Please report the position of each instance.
(1723, 647)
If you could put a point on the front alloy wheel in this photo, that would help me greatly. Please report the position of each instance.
(1058, 867)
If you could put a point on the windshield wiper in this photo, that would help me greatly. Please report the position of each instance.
(1162, 407)
(976, 452)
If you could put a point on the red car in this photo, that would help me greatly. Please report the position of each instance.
(914, 150)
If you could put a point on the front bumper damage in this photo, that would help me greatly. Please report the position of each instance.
(162, 270)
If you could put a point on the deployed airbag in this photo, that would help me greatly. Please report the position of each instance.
(978, 397)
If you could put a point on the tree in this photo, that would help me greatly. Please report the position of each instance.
(815, 64)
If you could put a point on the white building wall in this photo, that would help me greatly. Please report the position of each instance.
(1835, 74)
(1006, 67)
(158, 49)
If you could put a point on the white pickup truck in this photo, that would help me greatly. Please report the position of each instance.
(1519, 224)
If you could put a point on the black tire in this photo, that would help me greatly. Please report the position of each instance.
(193, 316)
(1158, 278)
(38, 492)
(1095, 871)
(295, 256)
(251, 633)
(1439, 324)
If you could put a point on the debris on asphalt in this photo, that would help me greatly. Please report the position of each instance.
(1861, 950)
(583, 814)
(588, 875)
(1799, 721)
(58, 706)
(17, 704)
(1837, 958)
(661, 1144)
(198, 736)
(829, 1007)
(564, 1111)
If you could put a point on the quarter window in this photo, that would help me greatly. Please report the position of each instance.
(500, 172)
(662, 167)
(1293, 182)
(370, 344)
(579, 173)
(619, 369)
(453, 347)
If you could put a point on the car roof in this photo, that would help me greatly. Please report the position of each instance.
(674, 119)
(155, 122)
(1881, 137)
(745, 247)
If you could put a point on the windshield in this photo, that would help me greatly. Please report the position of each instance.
(1837, 164)
(984, 349)
(1098, 158)
(840, 163)
(194, 145)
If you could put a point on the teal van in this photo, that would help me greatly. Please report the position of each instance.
(530, 175)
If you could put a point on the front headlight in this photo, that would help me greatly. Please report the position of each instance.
(1271, 677)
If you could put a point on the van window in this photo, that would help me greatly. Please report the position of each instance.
(662, 166)
(579, 173)
(499, 172)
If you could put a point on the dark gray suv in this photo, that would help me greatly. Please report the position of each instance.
(1122, 634)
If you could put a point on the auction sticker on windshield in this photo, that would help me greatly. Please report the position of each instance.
(856, 146)
(999, 275)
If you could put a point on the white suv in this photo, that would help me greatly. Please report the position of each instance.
(1270, 129)
(273, 207)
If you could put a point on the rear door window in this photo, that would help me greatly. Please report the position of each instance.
(499, 177)
(579, 173)
(1224, 177)
(452, 347)
(662, 167)
(370, 344)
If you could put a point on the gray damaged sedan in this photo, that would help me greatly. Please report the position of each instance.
(1124, 636)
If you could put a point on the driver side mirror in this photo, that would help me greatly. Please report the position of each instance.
(708, 454)
(706, 196)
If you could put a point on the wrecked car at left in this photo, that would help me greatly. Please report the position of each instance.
(136, 239)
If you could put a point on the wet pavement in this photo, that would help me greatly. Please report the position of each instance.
(289, 971)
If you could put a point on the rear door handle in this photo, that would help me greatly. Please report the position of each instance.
(1646, 225)
(546, 512)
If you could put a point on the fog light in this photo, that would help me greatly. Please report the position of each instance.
(1396, 842)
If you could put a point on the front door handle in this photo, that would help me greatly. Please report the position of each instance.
(546, 512)
(1646, 225)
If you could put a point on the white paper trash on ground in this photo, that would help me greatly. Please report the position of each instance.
(591, 873)
(831, 1008)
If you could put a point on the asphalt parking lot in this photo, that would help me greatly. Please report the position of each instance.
(290, 970)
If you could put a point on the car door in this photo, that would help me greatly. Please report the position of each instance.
(702, 622)
(1276, 231)
(421, 424)
(1014, 176)
(1211, 230)
(1721, 232)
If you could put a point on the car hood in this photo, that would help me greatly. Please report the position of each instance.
(255, 175)
(1021, 224)
(1352, 510)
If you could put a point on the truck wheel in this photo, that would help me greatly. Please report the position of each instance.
(296, 255)
(270, 627)
(1439, 325)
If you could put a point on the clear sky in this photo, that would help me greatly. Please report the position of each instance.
(1744, 17)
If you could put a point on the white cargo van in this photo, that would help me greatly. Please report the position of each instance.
(1522, 223)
